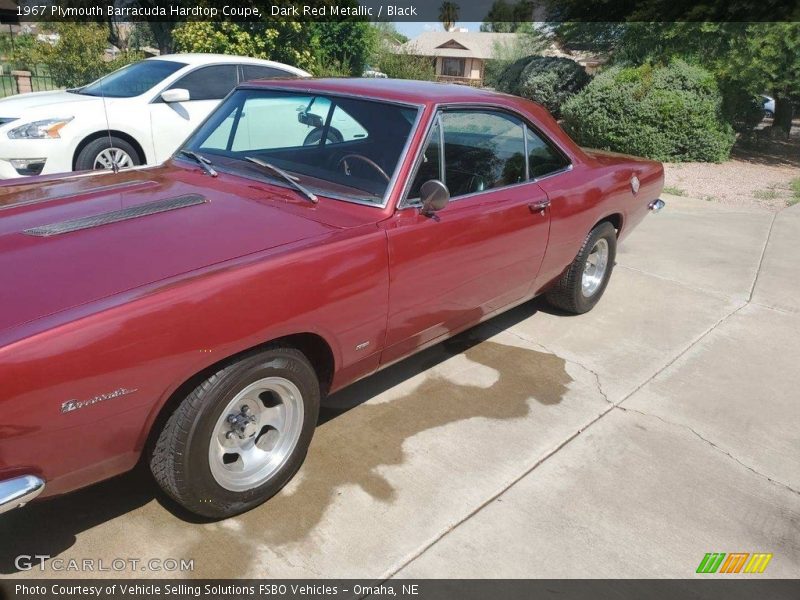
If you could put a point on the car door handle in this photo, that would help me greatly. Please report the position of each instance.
(538, 206)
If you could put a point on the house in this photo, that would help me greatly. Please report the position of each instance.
(460, 56)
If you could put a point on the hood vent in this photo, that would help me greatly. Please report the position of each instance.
(115, 216)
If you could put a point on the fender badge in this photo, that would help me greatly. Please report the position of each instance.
(71, 405)
(635, 184)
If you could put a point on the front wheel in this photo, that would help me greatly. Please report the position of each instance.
(104, 153)
(241, 435)
(580, 287)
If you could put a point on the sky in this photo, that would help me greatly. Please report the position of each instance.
(413, 29)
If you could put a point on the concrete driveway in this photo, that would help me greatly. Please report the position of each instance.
(627, 442)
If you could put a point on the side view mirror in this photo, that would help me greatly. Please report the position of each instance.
(176, 95)
(434, 196)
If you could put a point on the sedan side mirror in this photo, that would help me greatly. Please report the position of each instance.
(176, 95)
(434, 196)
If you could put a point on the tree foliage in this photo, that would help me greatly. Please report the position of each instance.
(746, 58)
(448, 14)
(283, 41)
(342, 47)
(509, 17)
(404, 64)
(526, 43)
(548, 80)
(670, 113)
(79, 55)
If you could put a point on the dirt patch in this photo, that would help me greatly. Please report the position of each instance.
(759, 174)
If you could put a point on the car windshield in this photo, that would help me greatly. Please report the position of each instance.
(131, 80)
(340, 147)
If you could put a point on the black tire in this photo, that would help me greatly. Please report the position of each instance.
(89, 153)
(180, 460)
(567, 293)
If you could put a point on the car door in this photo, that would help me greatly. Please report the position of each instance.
(172, 122)
(483, 250)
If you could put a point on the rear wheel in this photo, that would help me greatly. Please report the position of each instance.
(582, 285)
(104, 153)
(241, 435)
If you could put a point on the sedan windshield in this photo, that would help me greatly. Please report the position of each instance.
(132, 80)
(345, 148)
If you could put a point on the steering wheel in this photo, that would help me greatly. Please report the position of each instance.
(364, 159)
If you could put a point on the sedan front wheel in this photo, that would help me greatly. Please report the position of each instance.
(105, 153)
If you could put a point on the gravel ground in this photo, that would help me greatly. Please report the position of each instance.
(759, 176)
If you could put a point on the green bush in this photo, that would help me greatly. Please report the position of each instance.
(668, 113)
(404, 65)
(742, 110)
(548, 80)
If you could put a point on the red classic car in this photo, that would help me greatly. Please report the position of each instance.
(309, 233)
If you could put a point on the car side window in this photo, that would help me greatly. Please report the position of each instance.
(209, 83)
(251, 72)
(482, 150)
(429, 167)
(543, 159)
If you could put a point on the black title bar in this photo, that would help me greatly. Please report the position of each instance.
(402, 10)
(731, 588)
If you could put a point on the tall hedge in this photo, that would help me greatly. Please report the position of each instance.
(548, 80)
(668, 113)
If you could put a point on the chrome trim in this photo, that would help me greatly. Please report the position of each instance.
(561, 171)
(19, 491)
(115, 216)
(657, 205)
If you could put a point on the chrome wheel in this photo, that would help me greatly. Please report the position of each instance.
(111, 156)
(256, 434)
(594, 270)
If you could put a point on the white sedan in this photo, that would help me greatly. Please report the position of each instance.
(136, 115)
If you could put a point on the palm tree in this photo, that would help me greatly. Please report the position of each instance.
(448, 14)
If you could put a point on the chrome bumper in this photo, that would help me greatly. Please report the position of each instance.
(19, 491)
(656, 205)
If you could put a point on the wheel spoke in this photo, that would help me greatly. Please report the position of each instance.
(272, 417)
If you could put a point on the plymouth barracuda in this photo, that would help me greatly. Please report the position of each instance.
(193, 315)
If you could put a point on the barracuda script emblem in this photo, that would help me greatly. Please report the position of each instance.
(71, 405)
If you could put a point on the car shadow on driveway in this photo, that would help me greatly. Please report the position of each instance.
(51, 527)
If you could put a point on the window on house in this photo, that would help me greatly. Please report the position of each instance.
(453, 67)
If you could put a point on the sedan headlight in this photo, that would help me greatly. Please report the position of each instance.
(39, 130)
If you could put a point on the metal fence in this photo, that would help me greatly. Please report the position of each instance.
(39, 82)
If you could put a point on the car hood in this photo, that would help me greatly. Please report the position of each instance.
(21, 105)
(68, 241)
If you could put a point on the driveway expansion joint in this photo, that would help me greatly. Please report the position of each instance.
(431, 543)
(688, 286)
(712, 444)
(761, 258)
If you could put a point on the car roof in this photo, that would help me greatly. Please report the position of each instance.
(401, 90)
(200, 58)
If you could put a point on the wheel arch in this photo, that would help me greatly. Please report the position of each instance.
(315, 347)
(104, 133)
(616, 220)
